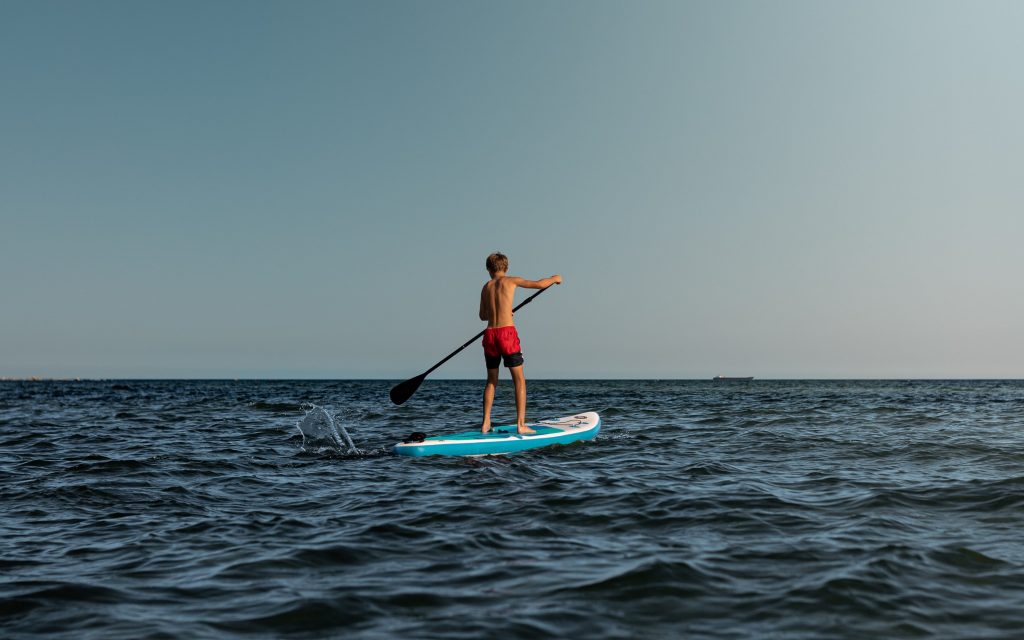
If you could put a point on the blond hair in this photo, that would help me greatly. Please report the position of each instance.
(496, 262)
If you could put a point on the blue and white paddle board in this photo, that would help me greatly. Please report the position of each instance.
(504, 439)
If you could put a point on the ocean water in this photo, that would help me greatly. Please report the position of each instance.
(771, 509)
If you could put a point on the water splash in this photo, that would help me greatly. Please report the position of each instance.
(320, 429)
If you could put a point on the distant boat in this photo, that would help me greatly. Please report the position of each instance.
(731, 379)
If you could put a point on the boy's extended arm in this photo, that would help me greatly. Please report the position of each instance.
(537, 284)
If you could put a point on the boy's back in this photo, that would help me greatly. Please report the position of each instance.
(496, 300)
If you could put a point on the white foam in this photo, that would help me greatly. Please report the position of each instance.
(319, 426)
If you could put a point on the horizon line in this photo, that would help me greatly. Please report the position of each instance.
(474, 379)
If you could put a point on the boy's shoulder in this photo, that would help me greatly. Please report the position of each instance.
(504, 281)
(510, 282)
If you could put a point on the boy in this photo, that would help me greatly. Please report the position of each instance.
(501, 342)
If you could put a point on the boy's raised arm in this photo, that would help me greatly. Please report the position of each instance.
(537, 284)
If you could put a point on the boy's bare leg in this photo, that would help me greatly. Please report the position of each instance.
(492, 382)
(519, 380)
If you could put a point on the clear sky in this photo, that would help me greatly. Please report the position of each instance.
(310, 189)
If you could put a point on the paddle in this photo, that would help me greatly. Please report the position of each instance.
(404, 390)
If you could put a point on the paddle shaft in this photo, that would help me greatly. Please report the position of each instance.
(477, 336)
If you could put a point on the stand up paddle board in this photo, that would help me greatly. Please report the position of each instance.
(503, 439)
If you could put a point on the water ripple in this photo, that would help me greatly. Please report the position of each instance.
(801, 509)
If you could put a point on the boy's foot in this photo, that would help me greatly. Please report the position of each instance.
(485, 429)
(525, 431)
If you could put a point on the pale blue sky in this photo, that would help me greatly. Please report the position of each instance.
(251, 189)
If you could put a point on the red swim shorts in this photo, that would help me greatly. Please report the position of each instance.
(502, 343)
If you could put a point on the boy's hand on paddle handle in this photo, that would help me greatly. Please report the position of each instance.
(557, 278)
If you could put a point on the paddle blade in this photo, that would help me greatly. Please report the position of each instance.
(404, 390)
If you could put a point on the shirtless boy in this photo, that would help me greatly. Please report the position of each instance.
(501, 342)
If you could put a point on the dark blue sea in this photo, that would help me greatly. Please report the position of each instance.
(769, 509)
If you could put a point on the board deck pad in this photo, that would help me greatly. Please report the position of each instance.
(503, 431)
(504, 439)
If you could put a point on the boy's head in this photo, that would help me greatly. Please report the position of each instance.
(496, 262)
